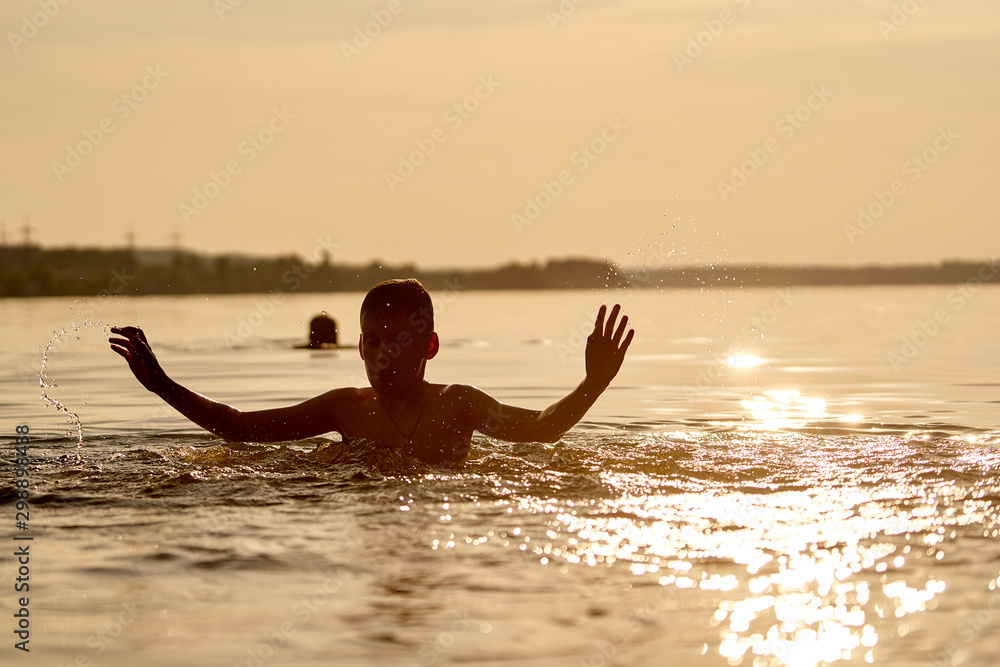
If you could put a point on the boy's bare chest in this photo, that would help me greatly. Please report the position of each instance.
(434, 432)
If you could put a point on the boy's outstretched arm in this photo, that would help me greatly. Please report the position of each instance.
(312, 417)
(606, 349)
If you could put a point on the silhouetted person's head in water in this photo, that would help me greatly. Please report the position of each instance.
(322, 332)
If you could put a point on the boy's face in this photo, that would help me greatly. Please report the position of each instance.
(395, 353)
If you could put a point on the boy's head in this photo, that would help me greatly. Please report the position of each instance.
(399, 299)
(397, 334)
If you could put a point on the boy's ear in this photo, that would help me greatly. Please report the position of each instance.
(433, 346)
(361, 350)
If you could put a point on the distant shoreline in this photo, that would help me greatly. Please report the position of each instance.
(29, 271)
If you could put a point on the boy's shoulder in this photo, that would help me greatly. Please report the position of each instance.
(346, 397)
(463, 396)
(456, 392)
(475, 403)
(349, 393)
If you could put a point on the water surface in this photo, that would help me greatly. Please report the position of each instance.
(802, 477)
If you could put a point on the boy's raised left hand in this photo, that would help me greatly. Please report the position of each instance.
(606, 346)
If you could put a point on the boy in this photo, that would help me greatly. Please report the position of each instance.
(433, 422)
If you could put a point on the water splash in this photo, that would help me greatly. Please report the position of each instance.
(46, 383)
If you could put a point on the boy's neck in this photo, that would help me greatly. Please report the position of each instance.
(405, 397)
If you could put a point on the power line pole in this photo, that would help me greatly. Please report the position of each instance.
(175, 237)
(26, 229)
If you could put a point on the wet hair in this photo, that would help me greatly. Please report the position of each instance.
(400, 298)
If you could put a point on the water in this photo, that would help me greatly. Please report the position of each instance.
(792, 477)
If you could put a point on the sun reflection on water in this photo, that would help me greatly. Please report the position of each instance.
(811, 565)
(816, 570)
(778, 409)
(812, 549)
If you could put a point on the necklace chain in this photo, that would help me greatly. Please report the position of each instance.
(396, 424)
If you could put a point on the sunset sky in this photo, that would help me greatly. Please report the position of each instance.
(465, 133)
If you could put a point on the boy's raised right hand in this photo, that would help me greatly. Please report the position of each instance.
(141, 360)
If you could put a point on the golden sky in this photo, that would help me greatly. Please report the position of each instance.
(460, 132)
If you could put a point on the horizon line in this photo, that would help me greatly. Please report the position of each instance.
(530, 262)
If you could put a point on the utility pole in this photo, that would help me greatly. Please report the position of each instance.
(26, 229)
(175, 237)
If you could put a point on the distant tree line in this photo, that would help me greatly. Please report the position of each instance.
(34, 271)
